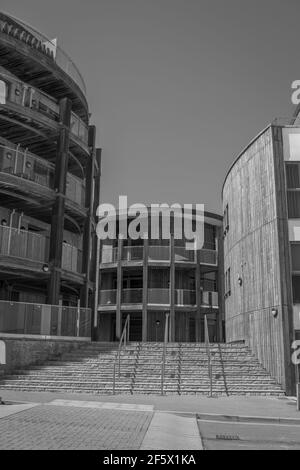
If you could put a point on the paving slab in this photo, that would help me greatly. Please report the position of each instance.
(170, 431)
(102, 405)
(7, 410)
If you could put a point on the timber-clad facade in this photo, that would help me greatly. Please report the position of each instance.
(261, 248)
(49, 178)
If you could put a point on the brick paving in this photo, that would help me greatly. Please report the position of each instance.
(58, 427)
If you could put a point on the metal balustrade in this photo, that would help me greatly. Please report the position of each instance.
(158, 253)
(209, 257)
(108, 297)
(184, 255)
(132, 296)
(210, 299)
(159, 296)
(132, 253)
(42, 319)
(185, 297)
(109, 254)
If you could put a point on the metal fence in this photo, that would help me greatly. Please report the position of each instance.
(42, 319)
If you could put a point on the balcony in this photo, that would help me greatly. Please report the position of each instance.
(108, 297)
(109, 254)
(19, 97)
(36, 40)
(40, 319)
(33, 169)
(71, 258)
(159, 296)
(133, 253)
(159, 253)
(23, 244)
(210, 299)
(132, 296)
(209, 257)
(184, 256)
(184, 297)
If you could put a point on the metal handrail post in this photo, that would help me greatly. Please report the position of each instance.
(207, 343)
(166, 337)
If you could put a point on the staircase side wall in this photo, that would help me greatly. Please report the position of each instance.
(21, 353)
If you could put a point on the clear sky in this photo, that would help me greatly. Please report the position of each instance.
(176, 87)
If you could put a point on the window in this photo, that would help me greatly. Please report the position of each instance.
(293, 175)
(295, 251)
(296, 289)
(226, 220)
(227, 283)
(3, 92)
(293, 199)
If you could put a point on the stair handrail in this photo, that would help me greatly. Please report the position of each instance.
(123, 340)
(208, 351)
(163, 363)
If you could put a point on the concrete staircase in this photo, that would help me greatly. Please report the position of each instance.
(90, 370)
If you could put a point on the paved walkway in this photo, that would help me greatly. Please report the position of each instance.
(234, 405)
(56, 427)
(81, 421)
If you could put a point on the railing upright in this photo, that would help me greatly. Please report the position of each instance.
(123, 340)
(163, 364)
(207, 343)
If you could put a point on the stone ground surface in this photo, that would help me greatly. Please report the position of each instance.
(234, 405)
(54, 427)
(80, 421)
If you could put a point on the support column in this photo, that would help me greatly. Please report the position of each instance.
(88, 225)
(96, 245)
(58, 211)
(172, 289)
(220, 277)
(145, 291)
(119, 291)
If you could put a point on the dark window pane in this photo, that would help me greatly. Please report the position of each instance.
(293, 198)
(295, 249)
(292, 175)
(296, 289)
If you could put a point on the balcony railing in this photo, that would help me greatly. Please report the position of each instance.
(183, 255)
(71, 258)
(132, 296)
(185, 297)
(132, 253)
(108, 297)
(19, 93)
(29, 167)
(18, 29)
(41, 319)
(109, 254)
(159, 296)
(159, 253)
(210, 299)
(209, 257)
(35, 247)
(23, 244)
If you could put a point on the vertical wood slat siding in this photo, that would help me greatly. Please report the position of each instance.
(251, 249)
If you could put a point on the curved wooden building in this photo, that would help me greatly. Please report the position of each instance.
(49, 175)
(261, 202)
